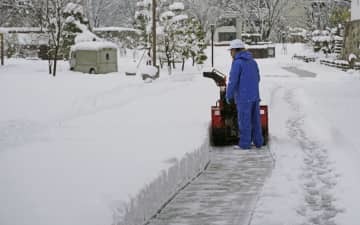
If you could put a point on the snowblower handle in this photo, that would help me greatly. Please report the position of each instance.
(217, 76)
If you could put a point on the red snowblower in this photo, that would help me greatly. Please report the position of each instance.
(224, 127)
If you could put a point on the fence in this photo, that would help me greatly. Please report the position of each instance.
(340, 64)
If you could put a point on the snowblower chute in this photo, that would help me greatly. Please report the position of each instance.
(224, 127)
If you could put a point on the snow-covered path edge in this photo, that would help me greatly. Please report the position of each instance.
(155, 196)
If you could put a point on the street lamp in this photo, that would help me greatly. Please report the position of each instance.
(212, 29)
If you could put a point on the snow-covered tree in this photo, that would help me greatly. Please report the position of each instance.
(173, 25)
(74, 21)
(195, 37)
(63, 21)
(110, 12)
(143, 22)
(181, 37)
(13, 14)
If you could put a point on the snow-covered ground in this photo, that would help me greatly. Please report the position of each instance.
(74, 147)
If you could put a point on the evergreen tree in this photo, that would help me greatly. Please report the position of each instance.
(197, 42)
(74, 17)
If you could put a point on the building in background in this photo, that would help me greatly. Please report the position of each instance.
(355, 10)
(352, 33)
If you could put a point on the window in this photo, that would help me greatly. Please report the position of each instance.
(227, 22)
(228, 36)
(107, 56)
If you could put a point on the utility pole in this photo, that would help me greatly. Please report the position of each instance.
(2, 48)
(212, 29)
(154, 32)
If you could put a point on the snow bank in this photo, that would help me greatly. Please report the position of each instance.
(156, 195)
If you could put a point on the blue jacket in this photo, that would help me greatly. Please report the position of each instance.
(243, 85)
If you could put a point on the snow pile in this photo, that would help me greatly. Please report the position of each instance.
(177, 6)
(156, 195)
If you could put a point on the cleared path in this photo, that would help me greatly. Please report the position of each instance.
(226, 193)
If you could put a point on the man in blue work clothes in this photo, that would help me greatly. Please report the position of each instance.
(243, 87)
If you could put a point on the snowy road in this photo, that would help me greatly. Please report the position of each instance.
(226, 193)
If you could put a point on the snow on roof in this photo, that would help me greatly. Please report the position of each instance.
(73, 8)
(250, 35)
(116, 29)
(19, 29)
(231, 29)
(264, 46)
(93, 46)
(177, 6)
(179, 18)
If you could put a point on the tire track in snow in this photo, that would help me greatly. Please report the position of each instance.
(318, 177)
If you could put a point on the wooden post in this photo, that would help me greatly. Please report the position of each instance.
(2, 53)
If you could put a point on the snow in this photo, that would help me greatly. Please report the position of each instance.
(352, 56)
(321, 38)
(93, 45)
(298, 31)
(118, 29)
(19, 29)
(149, 70)
(74, 8)
(73, 148)
(167, 15)
(177, 6)
(179, 18)
(259, 46)
(86, 35)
